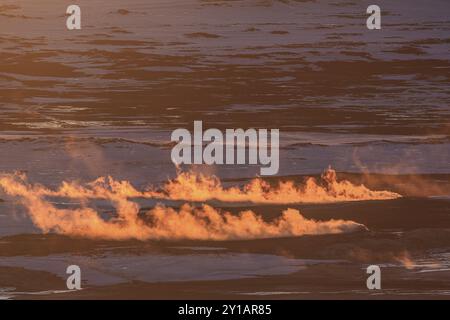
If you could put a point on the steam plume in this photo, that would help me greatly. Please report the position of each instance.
(205, 223)
(191, 186)
(197, 187)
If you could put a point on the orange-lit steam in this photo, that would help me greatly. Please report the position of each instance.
(406, 260)
(205, 223)
(197, 187)
(191, 186)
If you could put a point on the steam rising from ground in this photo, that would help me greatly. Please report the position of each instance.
(191, 186)
(197, 187)
(205, 223)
